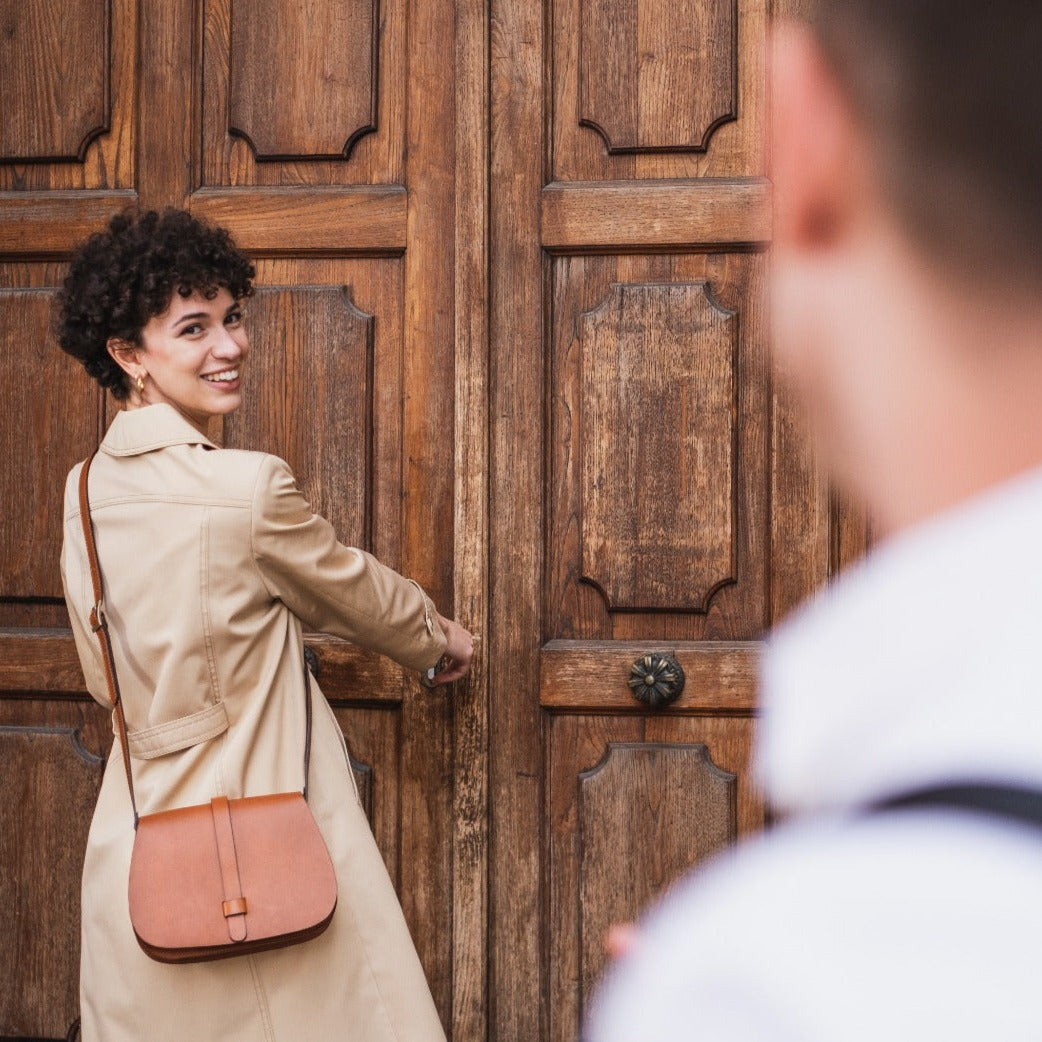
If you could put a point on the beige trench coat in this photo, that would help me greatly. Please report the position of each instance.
(212, 561)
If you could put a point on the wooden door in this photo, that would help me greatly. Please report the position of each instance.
(652, 497)
(325, 137)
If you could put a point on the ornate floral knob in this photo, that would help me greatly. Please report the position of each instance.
(656, 680)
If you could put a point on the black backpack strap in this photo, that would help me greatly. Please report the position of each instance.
(997, 801)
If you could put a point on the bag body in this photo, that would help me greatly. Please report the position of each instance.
(229, 878)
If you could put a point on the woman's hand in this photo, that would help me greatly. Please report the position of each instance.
(459, 651)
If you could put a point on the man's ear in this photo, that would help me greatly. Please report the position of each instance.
(125, 355)
(815, 144)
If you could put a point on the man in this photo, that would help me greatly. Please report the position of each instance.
(907, 303)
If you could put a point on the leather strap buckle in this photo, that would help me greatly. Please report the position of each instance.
(97, 618)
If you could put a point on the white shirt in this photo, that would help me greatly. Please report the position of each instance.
(920, 666)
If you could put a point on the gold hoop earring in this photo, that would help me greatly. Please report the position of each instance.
(140, 381)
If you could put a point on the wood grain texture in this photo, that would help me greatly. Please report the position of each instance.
(519, 967)
(54, 430)
(48, 223)
(801, 533)
(371, 219)
(694, 558)
(73, 142)
(658, 446)
(657, 75)
(647, 812)
(47, 793)
(303, 77)
(373, 738)
(587, 675)
(664, 809)
(428, 480)
(165, 109)
(653, 61)
(55, 86)
(471, 734)
(347, 73)
(308, 397)
(38, 661)
(623, 215)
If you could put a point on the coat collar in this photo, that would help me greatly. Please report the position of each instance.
(135, 431)
(918, 666)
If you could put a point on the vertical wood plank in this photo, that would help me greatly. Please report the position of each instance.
(165, 110)
(517, 949)
(428, 477)
(470, 896)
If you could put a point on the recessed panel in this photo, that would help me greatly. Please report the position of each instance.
(307, 396)
(54, 87)
(53, 416)
(48, 789)
(647, 813)
(659, 484)
(302, 76)
(301, 95)
(659, 445)
(657, 75)
(647, 90)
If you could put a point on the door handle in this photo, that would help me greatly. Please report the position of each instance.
(656, 679)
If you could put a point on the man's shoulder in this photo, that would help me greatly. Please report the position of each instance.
(845, 929)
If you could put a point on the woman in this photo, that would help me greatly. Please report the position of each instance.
(213, 563)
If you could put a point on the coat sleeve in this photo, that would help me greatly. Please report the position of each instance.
(335, 588)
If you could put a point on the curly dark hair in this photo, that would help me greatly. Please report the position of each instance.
(123, 276)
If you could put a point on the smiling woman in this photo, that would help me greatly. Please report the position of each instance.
(211, 664)
(190, 357)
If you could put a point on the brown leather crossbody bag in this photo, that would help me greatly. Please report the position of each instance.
(223, 878)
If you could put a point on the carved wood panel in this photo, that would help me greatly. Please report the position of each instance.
(653, 810)
(303, 94)
(48, 788)
(55, 414)
(291, 60)
(308, 397)
(658, 445)
(657, 77)
(54, 98)
(634, 803)
(659, 430)
(649, 89)
(66, 94)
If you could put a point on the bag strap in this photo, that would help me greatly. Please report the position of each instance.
(1001, 801)
(99, 624)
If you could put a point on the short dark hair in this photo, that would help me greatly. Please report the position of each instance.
(951, 94)
(123, 276)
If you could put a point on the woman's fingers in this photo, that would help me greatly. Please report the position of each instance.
(459, 652)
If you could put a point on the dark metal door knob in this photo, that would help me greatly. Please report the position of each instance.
(656, 679)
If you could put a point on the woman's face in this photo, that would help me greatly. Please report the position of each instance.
(192, 356)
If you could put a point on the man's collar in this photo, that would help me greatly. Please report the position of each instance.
(151, 427)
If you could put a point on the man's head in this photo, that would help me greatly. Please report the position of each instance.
(907, 157)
